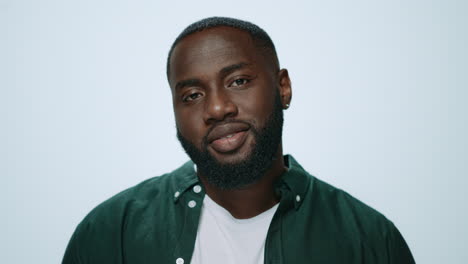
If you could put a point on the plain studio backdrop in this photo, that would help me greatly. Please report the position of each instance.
(379, 109)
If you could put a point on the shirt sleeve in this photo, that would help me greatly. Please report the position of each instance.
(72, 255)
(399, 252)
(93, 243)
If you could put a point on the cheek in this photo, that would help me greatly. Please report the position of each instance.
(190, 125)
(258, 103)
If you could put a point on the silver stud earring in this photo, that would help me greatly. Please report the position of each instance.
(286, 106)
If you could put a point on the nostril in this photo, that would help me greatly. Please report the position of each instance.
(220, 110)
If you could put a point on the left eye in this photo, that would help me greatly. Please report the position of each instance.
(239, 82)
(191, 97)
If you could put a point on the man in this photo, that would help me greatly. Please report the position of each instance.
(238, 200)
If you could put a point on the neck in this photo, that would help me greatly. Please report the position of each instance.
(253, 199)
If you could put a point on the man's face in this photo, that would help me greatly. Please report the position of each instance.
(227, 104)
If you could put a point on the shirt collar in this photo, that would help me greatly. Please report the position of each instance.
(184, 178)
(296, 179)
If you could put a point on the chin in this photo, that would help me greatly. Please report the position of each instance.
(234, 158)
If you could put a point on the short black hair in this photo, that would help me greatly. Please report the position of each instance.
(260, 37)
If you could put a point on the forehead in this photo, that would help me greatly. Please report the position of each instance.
(203, 52)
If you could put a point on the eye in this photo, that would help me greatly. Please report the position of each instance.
(239, 82)
(191, 97)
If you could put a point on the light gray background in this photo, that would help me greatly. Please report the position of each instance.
(379, 109)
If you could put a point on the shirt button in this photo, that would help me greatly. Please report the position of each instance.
(298, 198)
(179, 261)
(195, 167)
(176, 194)
(197, 188)
(192, 204)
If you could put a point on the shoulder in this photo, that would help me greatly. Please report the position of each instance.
(102, 229)
(154, 190)
(327, 200)
(354, 221)
(332, 207)
(344, 205)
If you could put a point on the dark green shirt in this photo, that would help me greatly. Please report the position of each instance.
(156, 222)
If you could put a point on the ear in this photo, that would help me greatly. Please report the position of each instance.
(285, 88)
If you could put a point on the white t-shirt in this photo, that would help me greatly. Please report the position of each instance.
(221, 238)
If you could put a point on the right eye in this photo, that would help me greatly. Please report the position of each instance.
(191, 97)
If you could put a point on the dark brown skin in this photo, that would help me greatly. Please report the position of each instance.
(205, 94)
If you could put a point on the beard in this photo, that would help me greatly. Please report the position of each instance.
(237, 175)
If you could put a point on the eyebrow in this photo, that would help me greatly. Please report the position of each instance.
(188, 82)
(224, 71)
(228, 69)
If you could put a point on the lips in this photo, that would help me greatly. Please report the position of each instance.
(228, 137)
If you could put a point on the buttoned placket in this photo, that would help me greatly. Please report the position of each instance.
(192, 199)
(274, 242)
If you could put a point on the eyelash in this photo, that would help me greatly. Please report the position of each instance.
(189, 98)
(240, 79)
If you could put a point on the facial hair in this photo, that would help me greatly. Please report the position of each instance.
(251, 169)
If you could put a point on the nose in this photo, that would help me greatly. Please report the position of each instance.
(219, 106)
